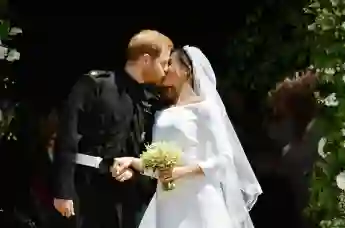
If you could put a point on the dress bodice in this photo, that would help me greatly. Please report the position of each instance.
(182, 125)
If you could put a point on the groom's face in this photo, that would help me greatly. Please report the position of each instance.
(157, 68)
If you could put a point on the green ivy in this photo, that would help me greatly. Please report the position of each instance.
(327, 202)
(7, 56)
(271, 45)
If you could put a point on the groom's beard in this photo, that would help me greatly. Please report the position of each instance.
(169, 95)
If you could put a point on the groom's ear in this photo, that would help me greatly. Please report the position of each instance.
(146, 59)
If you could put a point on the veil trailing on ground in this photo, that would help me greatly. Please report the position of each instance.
(205, 86)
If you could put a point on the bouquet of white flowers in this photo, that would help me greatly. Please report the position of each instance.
(161, 156)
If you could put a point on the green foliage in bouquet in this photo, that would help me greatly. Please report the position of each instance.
(159, 156)
(327, 44)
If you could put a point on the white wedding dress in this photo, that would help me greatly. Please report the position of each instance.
(197, 201)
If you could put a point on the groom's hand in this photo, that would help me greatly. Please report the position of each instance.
(64, 207)
(123, 163)
(123, 176)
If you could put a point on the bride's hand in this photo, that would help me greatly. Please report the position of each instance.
(126, 175)
(167, 175)
(121, 165)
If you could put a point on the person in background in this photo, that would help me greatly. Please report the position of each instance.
(295, 134)
(42, 181)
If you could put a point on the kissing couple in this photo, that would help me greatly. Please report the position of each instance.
(162, 94)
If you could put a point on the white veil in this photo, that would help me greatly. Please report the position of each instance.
(205, 86)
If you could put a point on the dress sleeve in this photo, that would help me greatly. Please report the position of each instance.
(222, 152)
(67, 141)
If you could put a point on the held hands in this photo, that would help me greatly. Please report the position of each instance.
(64, 207)
(121, 169)
(125, 175)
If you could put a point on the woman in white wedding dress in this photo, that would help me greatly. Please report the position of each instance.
(215, 185)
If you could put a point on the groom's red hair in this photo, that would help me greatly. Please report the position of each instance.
(147, 42)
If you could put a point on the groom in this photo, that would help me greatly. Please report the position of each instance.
(106, 116)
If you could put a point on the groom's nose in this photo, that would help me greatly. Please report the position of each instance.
(166, 68)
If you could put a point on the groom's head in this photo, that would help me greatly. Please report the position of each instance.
(149, 51)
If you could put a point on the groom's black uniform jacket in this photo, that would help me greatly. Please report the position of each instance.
(105, 115)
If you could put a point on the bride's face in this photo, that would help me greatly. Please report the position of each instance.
(177, 73)
(177, 76)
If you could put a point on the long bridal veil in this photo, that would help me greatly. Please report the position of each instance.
(205, 86)
(239, 185)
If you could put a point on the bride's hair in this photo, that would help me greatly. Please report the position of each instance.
(185, 60)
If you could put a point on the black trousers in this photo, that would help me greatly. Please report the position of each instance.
(103, 202)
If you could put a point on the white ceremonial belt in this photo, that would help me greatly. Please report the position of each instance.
(88, 160)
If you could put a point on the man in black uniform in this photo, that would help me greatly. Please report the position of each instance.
(105, 117)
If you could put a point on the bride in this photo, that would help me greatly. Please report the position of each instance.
(216, 186)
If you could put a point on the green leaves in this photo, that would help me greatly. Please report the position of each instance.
(270, 46)
(4, 29)
(7, 57)
(328, 58)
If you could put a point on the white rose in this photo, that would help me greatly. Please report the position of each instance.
(330, 71)
(3, 52)
(331, 100)
(320, 147)
(341, 180)
(13, 55)
(15, 31)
